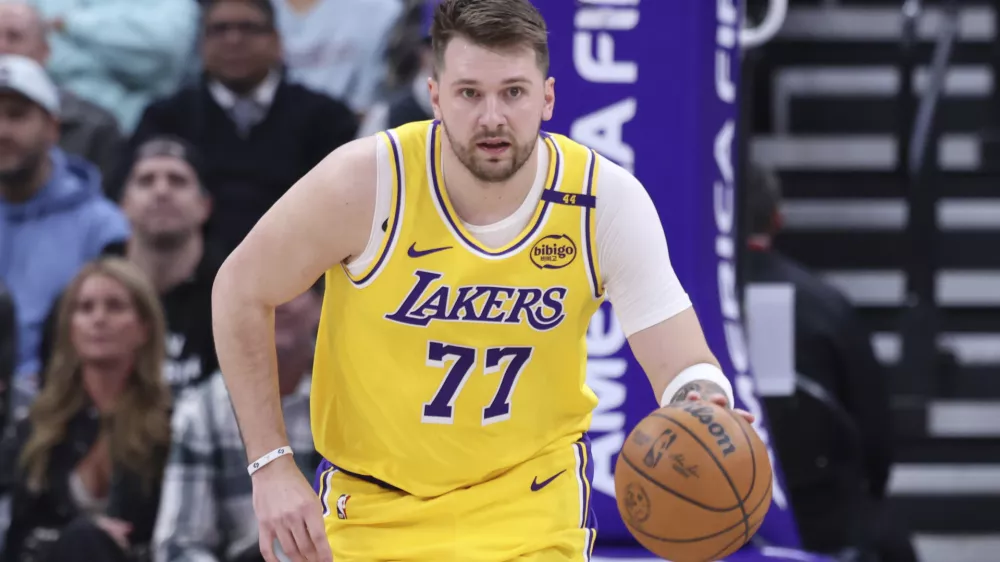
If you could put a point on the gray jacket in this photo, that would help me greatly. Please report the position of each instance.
(91, 132)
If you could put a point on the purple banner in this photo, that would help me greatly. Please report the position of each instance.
(652, 86)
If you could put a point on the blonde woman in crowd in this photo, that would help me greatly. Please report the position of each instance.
(90, 456)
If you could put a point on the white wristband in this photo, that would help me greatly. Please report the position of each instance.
(699, 372)
(268, 459)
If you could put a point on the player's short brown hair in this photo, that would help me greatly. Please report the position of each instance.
(490, 23)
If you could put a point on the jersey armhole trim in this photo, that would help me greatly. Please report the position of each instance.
(395, 213)
(589, 227)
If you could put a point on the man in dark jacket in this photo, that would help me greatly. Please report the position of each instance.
(258, 132)
(833, 436)
(166, 202)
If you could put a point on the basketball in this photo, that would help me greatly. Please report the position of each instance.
(693, 482)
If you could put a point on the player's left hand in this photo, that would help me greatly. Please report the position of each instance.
(720, 400)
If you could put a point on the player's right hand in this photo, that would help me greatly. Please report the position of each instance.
(289, 510)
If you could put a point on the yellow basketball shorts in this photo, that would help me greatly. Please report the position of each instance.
(539, 511)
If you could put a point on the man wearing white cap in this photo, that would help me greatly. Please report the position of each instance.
(53, 215)
(21, 75)
(85, 129)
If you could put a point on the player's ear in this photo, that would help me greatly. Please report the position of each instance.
(550, 98)
(435, 91)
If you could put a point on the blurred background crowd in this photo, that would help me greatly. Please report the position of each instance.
(140, 142)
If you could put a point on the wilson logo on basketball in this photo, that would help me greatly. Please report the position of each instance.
(704, 414)
(555, 251)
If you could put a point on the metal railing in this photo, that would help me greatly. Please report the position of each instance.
(916, 136)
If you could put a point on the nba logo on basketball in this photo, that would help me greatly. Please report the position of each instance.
(342, 506)
(553, 252)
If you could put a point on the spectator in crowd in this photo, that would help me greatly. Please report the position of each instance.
(120, 54)
(338, 46)
(85, 129)
(412, 103)
(8, 353)
(836, 472)
(90, 456)
(206, 511)
(257, 132)
(166, 202)
(53, 215)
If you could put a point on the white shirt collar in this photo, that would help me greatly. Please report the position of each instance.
(263, 94)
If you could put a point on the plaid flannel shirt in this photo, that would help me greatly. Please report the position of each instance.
(206, 507)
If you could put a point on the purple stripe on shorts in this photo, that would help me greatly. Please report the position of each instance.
(591, 521)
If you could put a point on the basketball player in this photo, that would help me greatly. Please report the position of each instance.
(463, 259)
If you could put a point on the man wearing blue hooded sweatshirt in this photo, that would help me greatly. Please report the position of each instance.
(53, 215)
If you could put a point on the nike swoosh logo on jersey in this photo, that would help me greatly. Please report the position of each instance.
(536, 485)
(413, 252)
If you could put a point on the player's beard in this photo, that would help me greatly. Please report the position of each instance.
(493, 172)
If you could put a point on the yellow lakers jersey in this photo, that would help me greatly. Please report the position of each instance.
(445, 362)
